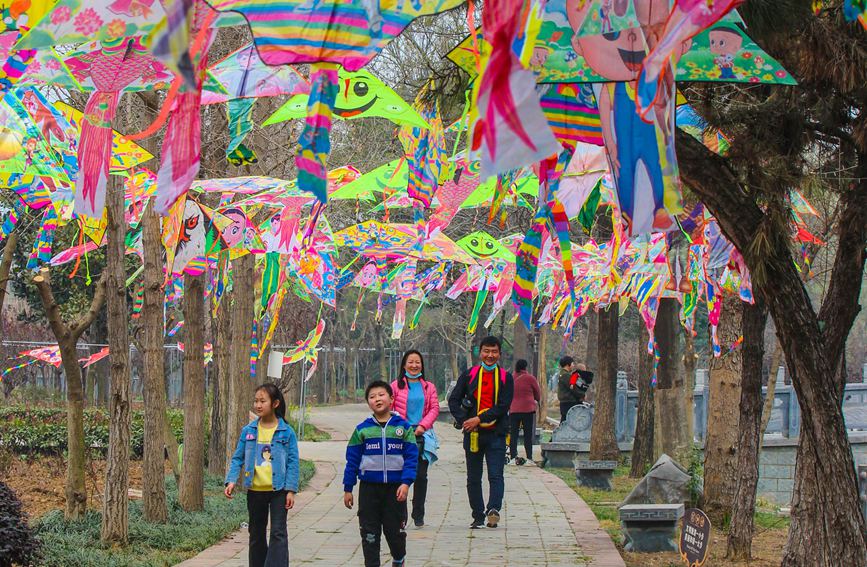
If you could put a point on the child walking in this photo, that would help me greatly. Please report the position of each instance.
(268, 451)
(383, 454)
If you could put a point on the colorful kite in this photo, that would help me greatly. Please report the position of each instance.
(360, 95)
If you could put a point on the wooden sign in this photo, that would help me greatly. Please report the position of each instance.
(694, 537)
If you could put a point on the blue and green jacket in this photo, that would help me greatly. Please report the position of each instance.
(381, 454)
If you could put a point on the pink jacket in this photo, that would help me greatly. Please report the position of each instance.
(431, 402)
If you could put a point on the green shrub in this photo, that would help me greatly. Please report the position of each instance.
(18, 546)
(42, 430)
(76, 544)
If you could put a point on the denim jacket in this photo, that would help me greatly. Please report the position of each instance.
(284, 455)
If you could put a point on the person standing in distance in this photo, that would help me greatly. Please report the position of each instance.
(523, 411)
(566, 393)
(480, 404)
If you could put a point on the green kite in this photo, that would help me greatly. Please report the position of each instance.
(362, 95)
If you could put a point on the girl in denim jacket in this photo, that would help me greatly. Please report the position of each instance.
(267, 455)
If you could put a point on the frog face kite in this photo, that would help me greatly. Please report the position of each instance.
(483, 246)
(361, 95)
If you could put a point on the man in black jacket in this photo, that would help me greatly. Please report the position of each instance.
(480, 404)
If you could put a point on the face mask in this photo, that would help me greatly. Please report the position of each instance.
(489, 368)
(412, 376)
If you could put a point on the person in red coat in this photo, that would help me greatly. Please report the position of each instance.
(522, 413)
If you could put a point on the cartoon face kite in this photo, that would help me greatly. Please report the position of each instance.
(361, 95)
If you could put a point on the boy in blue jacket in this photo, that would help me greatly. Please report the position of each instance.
(383, 454)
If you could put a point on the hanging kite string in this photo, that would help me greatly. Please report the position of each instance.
(178, 81)
(78, 259)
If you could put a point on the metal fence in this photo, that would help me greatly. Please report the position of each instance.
(785, 418)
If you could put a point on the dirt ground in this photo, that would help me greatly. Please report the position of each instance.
(38, 482)
(767, 551)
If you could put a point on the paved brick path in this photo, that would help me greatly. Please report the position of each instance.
(544, 523)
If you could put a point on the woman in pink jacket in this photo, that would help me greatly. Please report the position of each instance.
(415, 399)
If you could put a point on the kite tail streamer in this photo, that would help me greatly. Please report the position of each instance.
(254, 349)
(481, 297)
(10, 221)
(526, 267)
(399, 319)
(240, 115)
(181, 152)
(560, 224)
(94, 153)
(41, 253)
(315, 143)
(270, 279)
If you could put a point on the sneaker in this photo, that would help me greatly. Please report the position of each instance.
(477, 524)
(493, 518)
(520, 461)
(400, 563)
(419, 523)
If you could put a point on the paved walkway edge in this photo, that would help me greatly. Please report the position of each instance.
(595, 542)
(235, 543)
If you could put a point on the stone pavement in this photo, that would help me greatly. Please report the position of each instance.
(544, 523)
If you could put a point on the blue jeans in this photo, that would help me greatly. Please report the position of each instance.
(273, 553)
(492, 449)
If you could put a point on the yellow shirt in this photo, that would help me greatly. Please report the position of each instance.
(262, 475)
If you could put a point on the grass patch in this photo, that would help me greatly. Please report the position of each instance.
(604, 504)
(76, 544)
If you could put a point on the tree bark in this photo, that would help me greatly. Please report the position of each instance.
(115, 509)
(153, 458)
(671, 435)
(67, 336)
(603, 438)
(590, 352)
(742, 527)
(543, 381)
(642, 445)
(220, 380)
(242, 333)
(689, 362)
(720, 454)
(191, 493)
(827, 526)
(521, 343)
(6, 265)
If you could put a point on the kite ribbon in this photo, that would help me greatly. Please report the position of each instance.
(315, 143)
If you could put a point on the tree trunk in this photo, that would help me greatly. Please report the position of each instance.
(67, 337)
(191, 493)
(642, 445)
(742, 527)
(671, 435)
(720, 455)
(689, 362)
(603, 438)
(115, 509)
(590, 351)
(242, 333)
(76, 491)
(827, 526)
(153, 459)
(5, 266)
(383, 356)
(543, 381)
(220, 380)
(521, 343)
